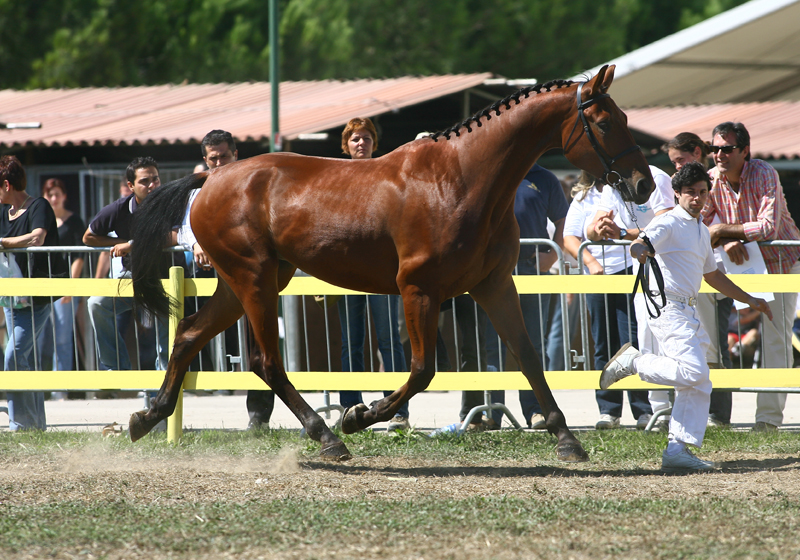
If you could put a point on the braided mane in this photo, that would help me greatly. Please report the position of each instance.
(487, 112)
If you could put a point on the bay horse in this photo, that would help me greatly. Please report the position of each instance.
(429, 221)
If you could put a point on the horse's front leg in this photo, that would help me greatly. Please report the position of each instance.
(194, 332)
(498, 297)
(422, 318)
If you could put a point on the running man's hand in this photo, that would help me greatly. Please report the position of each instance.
(640, 251)
(761, 305)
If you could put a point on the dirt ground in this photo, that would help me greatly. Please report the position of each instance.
(98, 475)
(94, 475)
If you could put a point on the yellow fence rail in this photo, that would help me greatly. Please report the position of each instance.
(178, 287)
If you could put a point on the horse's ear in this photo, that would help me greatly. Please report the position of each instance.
(607, 79)
(595, 85)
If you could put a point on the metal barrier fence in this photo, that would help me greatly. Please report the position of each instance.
(310, 343)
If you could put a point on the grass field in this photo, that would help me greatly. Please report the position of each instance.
(490, 495)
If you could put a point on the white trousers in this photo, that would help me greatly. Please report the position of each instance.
(777, 351)
(679, 360)
(659, 400)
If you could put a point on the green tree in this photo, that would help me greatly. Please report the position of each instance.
(69, 43)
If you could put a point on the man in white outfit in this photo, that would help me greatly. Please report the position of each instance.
(614, 219)
(683, 250)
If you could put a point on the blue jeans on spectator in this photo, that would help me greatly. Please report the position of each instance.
(555, 338)
(103, 311)
(471, 322)
(721, 403)
(25, 408)
(352, 316)
(64, 355)
(535, 313)
(613, 324)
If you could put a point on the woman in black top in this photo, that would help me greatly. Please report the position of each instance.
(25, 222)
(70, 233)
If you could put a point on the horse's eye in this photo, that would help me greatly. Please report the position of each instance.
(605, 126)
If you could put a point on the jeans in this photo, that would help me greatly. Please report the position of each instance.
(352, 317)
(63, 359)
(535, 313)
(25, 408)
(555, 338)
(613, 324)
(103, 311)
(471, 320)
(721, 401)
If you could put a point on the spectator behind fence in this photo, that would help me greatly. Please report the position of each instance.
(539, 198)
(748, 198)
(117, 217)
(714, 310)
(219, 149)
(103, 269)
(26, 222)
(555, 336)
(683, 251)
(612, 316)
(612, 211)
(57, 337)
(359, 141)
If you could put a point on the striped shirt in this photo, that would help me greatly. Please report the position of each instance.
(760, 206)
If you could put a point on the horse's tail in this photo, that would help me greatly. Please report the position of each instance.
(153, 222)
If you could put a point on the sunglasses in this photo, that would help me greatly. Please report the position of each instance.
(723, 149)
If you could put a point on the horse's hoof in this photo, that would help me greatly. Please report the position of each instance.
(350, 418)
(137, 427)
(335, 452)
(571, 453)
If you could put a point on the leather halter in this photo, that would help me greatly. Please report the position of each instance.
(607, 160)
(651, 265)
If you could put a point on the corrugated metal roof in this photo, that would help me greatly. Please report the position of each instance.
(185, 113)
(774, 127)
(747, 54)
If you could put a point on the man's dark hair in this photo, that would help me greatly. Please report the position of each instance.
(742, 136)
(686, 142)
(690, 174)
(139, 163)
(215, 138)
(11, 170)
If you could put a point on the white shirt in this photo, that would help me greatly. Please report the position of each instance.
(581, 213)
(185, 234)
(661, 198)
(683, 251)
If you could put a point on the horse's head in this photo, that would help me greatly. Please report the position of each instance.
(605, 147)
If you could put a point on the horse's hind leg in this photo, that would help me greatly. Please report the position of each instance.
(259, 296)
(498, 297)
(194, 332)
(422, 318)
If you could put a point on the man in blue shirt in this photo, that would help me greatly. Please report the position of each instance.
(117, 217)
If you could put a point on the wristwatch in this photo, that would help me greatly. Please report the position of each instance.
(622, 233)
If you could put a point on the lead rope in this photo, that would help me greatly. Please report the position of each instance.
(643, 275)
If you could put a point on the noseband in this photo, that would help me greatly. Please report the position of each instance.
(607, 160)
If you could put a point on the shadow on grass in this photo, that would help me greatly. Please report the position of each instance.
(727, 467)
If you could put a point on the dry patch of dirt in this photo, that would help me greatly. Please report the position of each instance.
(97, 474)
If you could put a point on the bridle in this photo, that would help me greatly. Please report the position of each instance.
(651, 265)
(605, 159)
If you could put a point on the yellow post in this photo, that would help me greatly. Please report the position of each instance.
(175, 290)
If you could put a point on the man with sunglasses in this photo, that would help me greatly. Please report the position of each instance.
(748, 199)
